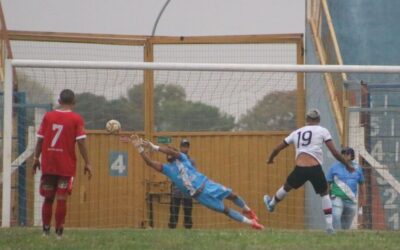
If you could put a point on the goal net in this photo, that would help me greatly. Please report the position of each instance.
(232, 115)
(373, 131)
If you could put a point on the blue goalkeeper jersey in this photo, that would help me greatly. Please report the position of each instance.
(184, 175)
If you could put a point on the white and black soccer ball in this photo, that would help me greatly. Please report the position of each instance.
(113, 126)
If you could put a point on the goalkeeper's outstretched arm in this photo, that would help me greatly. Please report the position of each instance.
(139, 144)
(151, 163)
(169, 151)
(162, 148)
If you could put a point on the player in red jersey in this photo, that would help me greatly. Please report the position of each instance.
(59, 131)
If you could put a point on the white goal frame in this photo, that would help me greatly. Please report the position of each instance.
(8, 88)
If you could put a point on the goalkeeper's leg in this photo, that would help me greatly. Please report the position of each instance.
(237, 216)
(238, 201)
(213, 196)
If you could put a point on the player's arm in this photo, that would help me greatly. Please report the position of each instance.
(37, 153)
(169, 151)
(151, 163)
(138, 143)
(39, 144)
(80, 137)
(337, 155)
(163, 149)
(276, 151)
(84, 153)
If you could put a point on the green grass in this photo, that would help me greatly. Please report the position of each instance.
(31, 238)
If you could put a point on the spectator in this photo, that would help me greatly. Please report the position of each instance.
(178, 198)
(344, 190)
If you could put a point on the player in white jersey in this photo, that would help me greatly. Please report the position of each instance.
(308, 142)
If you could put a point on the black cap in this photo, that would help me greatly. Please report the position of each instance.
(185, 143)
(348, 151)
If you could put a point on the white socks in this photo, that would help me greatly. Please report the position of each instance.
(247, 221)
(327, 207)
(280, 195)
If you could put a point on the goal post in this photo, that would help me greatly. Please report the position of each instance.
(7, 144)
(249, 90)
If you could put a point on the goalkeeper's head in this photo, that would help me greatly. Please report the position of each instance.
(313, 116)
(67, 97)
(184, 146)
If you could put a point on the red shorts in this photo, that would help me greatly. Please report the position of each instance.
(50, 185)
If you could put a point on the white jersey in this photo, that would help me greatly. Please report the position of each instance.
(309, 140)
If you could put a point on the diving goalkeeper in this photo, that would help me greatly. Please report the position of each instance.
(180, 171)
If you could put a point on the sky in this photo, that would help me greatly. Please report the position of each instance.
(137, 17)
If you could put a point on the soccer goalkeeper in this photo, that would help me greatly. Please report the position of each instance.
(207, 192)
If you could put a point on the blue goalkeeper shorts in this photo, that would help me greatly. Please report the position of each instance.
(213, 196)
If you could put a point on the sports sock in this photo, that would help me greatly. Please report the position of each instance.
(61, 211)
(233, 214)
(327, 207)
(280, 195)
(241, 203)
(47, 210)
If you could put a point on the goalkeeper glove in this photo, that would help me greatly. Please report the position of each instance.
(152, 146)
(140, 149)
(138, 143)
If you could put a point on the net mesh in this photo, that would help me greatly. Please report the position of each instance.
(125, 188)
(123, 191)
(238, 96)
(254, 112)
(373, 127)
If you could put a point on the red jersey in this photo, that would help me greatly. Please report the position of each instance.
(60, 129)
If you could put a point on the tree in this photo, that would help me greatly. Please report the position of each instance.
(36, 93)
(97, 110)
(174, 113)
(171, 110)
(276, 111)
(181, 115)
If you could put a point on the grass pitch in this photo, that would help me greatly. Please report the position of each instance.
(31, 238)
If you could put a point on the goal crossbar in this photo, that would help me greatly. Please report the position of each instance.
(206, 66)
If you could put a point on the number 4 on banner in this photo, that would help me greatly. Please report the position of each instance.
(118, 163)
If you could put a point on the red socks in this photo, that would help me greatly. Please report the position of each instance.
(61, 211)
(47, 209)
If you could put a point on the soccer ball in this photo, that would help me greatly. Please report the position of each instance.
(113, 126)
